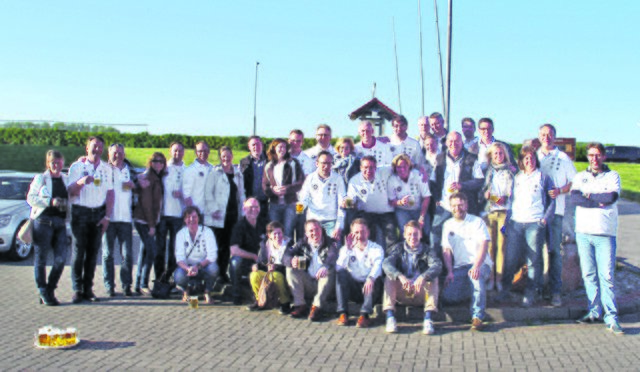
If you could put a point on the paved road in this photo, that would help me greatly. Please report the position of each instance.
(143, 334)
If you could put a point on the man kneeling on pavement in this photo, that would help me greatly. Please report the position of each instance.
(359, 268)
(311, 270)
(412, 270)
(465, 239)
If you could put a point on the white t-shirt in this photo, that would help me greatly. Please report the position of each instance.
(380, 151)
(91, 195)
(558, 166)
(122, 198)
(464, 239)
(372, 196)
(171, 206)
(597, 221)
(362, 263)
(398, 189)
(528, 203)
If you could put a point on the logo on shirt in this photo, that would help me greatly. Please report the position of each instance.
(201, 174)
(399, 189)
(364, 191)
(393, 148)
(353, 258)
(314, 186)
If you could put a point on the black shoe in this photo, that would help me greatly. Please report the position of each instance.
(46, 299)
(127, 292)
(111, 293)
(285, 309)
(137, 291)
(90, 296)
(589, 319)
(52, 297)
(224, 278)
(77, 298)
(253, 307)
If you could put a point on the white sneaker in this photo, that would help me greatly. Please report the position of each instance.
(391, 325)
(428, 328)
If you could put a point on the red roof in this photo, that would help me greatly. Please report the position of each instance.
(374, 105)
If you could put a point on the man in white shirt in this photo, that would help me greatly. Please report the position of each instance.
(172, 208)
(296, 139)
(558, 166)
(436, 124)
(359, 268)
(120, 226)
(322, 195)
(323, 139)
(369, 145)
(193, 182)
(368, 190)
(595, 192)
(91, 190)
(401, 143)
(468, 127)
(465, 240)
(485, 127)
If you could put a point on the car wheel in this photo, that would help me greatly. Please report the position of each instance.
(19, 250)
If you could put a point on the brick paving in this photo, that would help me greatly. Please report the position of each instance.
(144, 334)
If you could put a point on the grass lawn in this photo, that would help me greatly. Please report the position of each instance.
(31, 159)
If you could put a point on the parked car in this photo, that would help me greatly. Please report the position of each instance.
(629, 154)
(14, 212)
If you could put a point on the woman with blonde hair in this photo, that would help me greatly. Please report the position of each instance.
(497, 191)
(408, 194)
(346, 163)
(48, 199)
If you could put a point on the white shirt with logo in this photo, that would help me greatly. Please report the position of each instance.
(558, 166)
(193, 183)
(91, 195)
(380, 151)
(123, 198)
(321, 197)
(398, 189)
(464, 239)
(173, 207)
(602, 220)
(409, 147)
(371, 196)
(362, 263)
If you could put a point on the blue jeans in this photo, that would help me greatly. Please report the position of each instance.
(554, 240)
(208, 274)
(463, 288)
(347, 288)
(597, 263)
(403, 216)
(122, 231)
(147, 255)
(383, 228)
(435, 237)
(286, 215)
(49, 234)
(524, 244)
(239, 267)
(170, 225)
(88, 236)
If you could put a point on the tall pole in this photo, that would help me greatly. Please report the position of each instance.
(255, 100)
(435, 4)
(395, 50)
(421, 73)
(450, 30)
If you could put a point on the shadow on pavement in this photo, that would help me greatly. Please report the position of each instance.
(104, 345)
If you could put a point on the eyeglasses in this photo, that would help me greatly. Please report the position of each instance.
(483, 128)
(157, 161)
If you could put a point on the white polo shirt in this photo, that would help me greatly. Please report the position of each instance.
(409, 147)
(463, 239)
(528, 203)
(558, 166)
(398, 189)
(371, 196)
(380, 151)
(362, 263)
(597, 221)
(91, 196)
(193, 183)
(122, 200)
(451, 175)
(321, 197)
(172, 181)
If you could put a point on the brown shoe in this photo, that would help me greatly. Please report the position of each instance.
(299, 312)
(476, 324)
(363, 322)
(343, 320)
(315, 314)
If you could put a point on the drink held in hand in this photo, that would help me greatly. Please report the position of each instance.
(97, 181)
(302, 263)
(299, 208)
(349, 203)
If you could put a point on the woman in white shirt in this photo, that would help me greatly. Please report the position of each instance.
(408, 194)
(497, 189)
(531, 210)
(270, 263)
(196, 255)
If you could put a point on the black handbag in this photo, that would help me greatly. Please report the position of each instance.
(162, 287)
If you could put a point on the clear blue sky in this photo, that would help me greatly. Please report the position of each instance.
(189, 66)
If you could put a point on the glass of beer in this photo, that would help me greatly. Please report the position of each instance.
(494, 198)
(97, 181)
(349, 202)
(193, 302)
(302, 263)
(450, 188)
(299, 208)
(410, 293)
(412, 201)
(69, 336)
(43, 337)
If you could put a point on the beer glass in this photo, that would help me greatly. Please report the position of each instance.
(302, 263)
(193, 302)
(299, 208)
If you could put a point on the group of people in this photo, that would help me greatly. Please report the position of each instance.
(437, 219)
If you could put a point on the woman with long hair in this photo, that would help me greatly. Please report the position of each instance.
(282, 179)
(146, 216)
(48, 199)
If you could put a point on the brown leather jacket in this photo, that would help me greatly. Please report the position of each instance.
(149, 199)
(293, 186)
